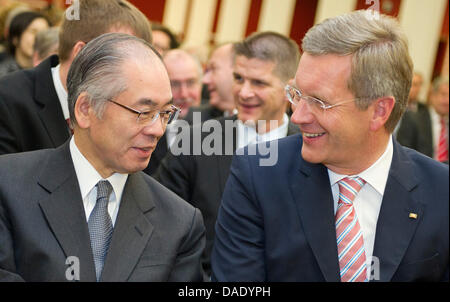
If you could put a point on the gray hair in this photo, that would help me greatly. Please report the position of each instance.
(272, 47)
(46, 42)
(97, 69)
(381, 64)
(438, 82)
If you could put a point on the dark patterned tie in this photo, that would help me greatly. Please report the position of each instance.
(100, 226)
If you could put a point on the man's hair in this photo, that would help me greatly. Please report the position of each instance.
(46, 42)
(98, 17)
(381, 64)
(438, 82)
(98, 69)
(173, 39)
(272, 47)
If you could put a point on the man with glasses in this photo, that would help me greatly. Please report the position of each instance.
(84, 211)
(263, 63)
(185, 74)
(33, 103)
(345, 202)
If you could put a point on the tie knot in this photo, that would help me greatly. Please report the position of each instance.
(104, 188)
(349, 187)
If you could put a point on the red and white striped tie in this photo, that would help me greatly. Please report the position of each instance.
(350, 242)
(442, 151)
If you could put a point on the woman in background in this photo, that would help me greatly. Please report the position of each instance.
(22, 33)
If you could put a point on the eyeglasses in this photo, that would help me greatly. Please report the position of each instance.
(294, 96)
(150, 117)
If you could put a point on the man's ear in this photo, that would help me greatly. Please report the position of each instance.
(82, 111)
(381, 111)
(76, 49)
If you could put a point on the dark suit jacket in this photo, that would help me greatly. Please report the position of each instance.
(200, 179)
(31, 114)
(277, 223)
(207, 112)
(415, 131)
(157, 236)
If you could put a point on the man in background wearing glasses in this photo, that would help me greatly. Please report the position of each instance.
(84, 211)
(345, 202)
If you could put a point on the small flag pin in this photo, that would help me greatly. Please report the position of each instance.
(413, 215)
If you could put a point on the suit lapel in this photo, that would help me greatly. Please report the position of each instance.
(50, 113)
(64, 210)
(395, 228)
(310, 187)
(131, 232)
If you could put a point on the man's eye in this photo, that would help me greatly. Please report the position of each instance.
(237, 78)
(258, 83)
(147, 115)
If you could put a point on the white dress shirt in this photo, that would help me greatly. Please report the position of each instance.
(60, 91)
(88, 178)
(367, 202)
(247, 134)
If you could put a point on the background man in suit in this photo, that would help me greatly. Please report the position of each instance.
(427, 129)
(218, 79)
(120, 103)
(264, 63)
(416, 86)
(300, 220)
(33, 103)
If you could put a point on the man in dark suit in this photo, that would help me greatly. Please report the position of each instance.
(33, 103)
(427, 129)
(264, 63)
(84, 211)
(345, 202)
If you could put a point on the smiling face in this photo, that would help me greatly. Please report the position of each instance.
(117, 142)
(337, 137)
(258, 93)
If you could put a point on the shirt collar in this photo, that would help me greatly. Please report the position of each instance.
(88, 177)
(247, 134)
(376, 175)
(60, 91)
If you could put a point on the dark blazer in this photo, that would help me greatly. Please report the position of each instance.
(31, 114)
(200, 179)
(277, 223)
(157, 236)
(207, 112)
(415, 131)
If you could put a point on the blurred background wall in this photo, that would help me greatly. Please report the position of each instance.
(201, 24)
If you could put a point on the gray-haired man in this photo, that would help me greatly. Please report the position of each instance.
(88, 213)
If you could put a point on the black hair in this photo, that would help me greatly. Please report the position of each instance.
(19, 25)
(173, 39)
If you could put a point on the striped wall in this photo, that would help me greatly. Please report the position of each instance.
(202, 23)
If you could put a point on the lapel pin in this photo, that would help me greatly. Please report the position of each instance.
(413, 215)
